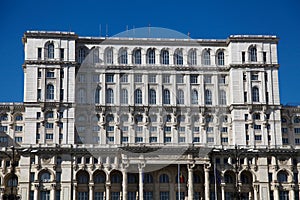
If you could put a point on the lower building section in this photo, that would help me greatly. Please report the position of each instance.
(131, 173)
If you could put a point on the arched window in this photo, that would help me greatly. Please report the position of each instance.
(180, 97)
(220, 58)
(131, 178)
(138, 97)
(223, 97)
(152, 96)
(50, 92)
(99, 178)
(282, 177)
(81, 96)
(297, 120)
(12, 181)
(192, 57)
(50, 51)
(178, 57)
(123, 56)
(124, 96)
(164, 56)
(96, 55)
(194, 97)
(45, 177)
(109, 96)
(206, 57)
(255, 94)
(108, 56)
(246, 177)
(81, 54)
(166, 97)
(208, 97)
(148, 178)
(116, 178)
(97, 95)
(164, 178)
(82, 178)
(137, 57)
(229, 177)
(253, 54)
(151, 56)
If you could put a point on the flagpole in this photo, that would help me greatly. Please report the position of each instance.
(178, 180)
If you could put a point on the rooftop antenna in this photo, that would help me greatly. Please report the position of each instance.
(189, 35)
(127, 30)
(133, 31)
(106, 33)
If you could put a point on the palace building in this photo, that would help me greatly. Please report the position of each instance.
(110, 118)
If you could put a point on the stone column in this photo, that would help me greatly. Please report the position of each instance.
(1, 192)
(36, 191)
(124, 185)
(107, 191)
(292, 192)
(141, 184)
(91, 187)
(74, 191)
(206, 183)
(276, 192)
(223, 190)
(52, 191)
(190, 183)
(255, 191)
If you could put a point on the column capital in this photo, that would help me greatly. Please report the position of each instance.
(141, 166)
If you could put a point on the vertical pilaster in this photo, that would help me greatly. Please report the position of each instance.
(223, 190)
(91, 192)
(141, 184)
(206, 183)
(124, 184)
(36, 192)
(190, 183)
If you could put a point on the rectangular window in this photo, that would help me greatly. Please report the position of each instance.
(3, 128)
(285, 140)
(109, 78)
(39, 94)
(210, 139)
(296, 130)
(209, 129)
(224, 129)
(194, 79)
(153, 129)
(196, 139)
(62, 54)
(180, 196)
(148, 195)
(39, 73)
(166, 78)
(124, 78)
(153, 139)
(257, 127)
(181, 139)
(124, 128)
(284, 130)
(31, 195)
(96, 78)
(167, 129)
(152, 78)
(207, 79)
(39, 53)
(18, 139)
(49, 125)
(139, 129)
(245, 96)
(179, 78)
(196, 130)
(111, 139)
(181, 129)
(61, 95)
(224, 139)
(243, 56)
(222, 79)
(138, 78)
(167, 139)
(138, 139)
(49, 136)
(19, 128)
(124, 139)
(50, 74)
(257, 137)
(254, 76)
(110, 128)
(3, 139)
(264, 57)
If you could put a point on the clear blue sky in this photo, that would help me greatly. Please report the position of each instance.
(203, 19)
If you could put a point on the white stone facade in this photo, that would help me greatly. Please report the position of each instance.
(120, 118)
